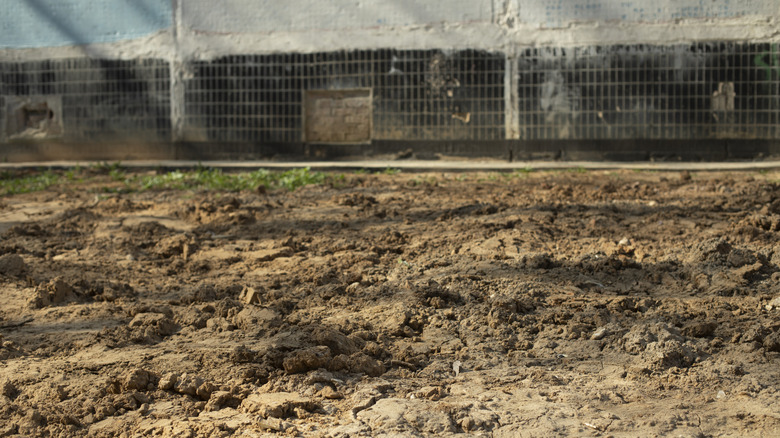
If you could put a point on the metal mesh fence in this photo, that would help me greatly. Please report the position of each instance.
(417, 95)
(717, 90)
(705, 90)
(431, 95)
(91, 99)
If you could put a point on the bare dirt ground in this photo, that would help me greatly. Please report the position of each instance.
(547, 304)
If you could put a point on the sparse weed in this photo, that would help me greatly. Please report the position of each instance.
(292, 179)
(117, 174)
(214, 179)
(337, 181)
(105, 167)
(11, 184)
(201, 178)
(74, 174)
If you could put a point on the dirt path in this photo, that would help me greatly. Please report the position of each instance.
(543, 304)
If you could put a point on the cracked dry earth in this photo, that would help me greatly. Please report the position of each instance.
(547, 304)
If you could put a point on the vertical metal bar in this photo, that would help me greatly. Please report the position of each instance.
(511, 95)
(176, 66)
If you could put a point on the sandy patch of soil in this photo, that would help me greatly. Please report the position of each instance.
(551, 304)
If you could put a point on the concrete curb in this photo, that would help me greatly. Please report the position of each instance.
(416, 165)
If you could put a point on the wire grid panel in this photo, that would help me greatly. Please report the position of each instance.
(246, 98)
(435, 95)
(704, 90)
(100, 99)
(416, 94)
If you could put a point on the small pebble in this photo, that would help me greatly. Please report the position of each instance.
(330, 393)
(599, 334)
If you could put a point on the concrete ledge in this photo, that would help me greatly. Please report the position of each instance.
(416, 165)
(511, 151)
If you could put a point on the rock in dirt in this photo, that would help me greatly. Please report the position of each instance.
(220, 324)
(392, 321)
(640, 336)
(277, 404)
(12, 265)
(57, 291)
(274, 424)
(338, 342)
(599, 334)
(774, 304)
(358, 363)
(222, 399)
(155, 324)
(400, 414)
(171, 246)
(456, 367)
(668, 354)
(250, 295)
(253, 318)
(168, 381)
(305, 360)
(29, 425)
(138, 380)
(8, 389)
(205, 390)
(772, 342)
(699, 329)
(188, 384)
(9, 350)
(192, 317)
(330, 393)
(242, 354)
(433, 393)
(362, 363)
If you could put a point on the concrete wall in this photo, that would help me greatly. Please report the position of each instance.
(244, 26)
(51, 23)
(262, 16)
(561, 13)
(205, 29)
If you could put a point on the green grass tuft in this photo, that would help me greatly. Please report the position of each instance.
(214, 179)
(201, 178)
(11, 184)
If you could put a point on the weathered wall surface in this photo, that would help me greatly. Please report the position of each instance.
(561, 13)
(52, 23)
(245, 26)
(204, 29)
(261, 16)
